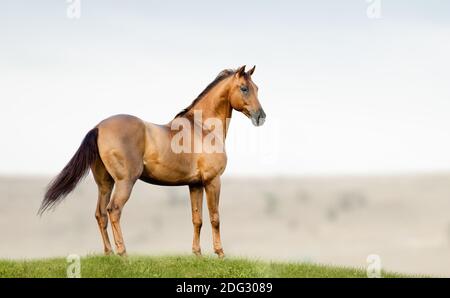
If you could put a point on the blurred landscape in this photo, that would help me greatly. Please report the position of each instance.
(331, 220)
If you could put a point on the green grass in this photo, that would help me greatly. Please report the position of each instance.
(174, 266)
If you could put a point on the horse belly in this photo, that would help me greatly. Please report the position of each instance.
(170, 171)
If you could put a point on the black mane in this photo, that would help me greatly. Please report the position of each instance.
(220, 77)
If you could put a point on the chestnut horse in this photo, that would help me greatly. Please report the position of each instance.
(123, 148)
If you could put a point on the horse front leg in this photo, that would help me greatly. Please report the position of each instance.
(212, 189)
(196, 194)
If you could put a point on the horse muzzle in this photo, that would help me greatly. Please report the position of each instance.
(258, 117)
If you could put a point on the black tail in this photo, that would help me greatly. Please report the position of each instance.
(73, 172)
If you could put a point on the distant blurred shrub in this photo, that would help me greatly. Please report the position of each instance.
(271, 205)
(303, 197)
(292, 224)
(157, 222)
(332, 214)
(351, 200)
(176, 197)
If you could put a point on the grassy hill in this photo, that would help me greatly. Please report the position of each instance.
(174, 266)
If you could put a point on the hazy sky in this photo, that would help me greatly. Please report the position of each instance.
(343, 93)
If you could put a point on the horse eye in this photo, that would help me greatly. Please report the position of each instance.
(244, 89)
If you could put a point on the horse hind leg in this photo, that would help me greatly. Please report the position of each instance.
(120, 196)
(125, 167)
(105, 185)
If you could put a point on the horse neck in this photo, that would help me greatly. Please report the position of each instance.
(215, 104)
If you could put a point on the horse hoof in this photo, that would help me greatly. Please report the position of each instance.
(109, 253)
(197, 253)
(220, 253)
(122, 254)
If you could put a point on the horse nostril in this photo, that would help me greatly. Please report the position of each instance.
(261, 117)
(258, 117)
(262, 114)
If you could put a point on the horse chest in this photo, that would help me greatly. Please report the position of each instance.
(211, 165)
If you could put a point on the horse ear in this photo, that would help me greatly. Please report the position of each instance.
(251, 71)
(241, 71)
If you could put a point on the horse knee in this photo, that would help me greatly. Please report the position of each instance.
(102, 218)
(197, 222)
(215, 221)
(114, 212)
